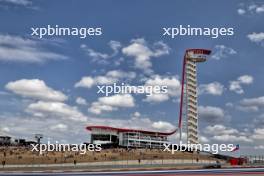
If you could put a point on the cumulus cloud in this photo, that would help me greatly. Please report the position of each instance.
(247, 108)
(219, 130)
(142, 53)
(211, 113)
(161, 125)
(258, 134)
(232, 138)
(36, 89)
(259, 121)
(53, 129)
(55, 109)
(18, 2)
(257, 37)
(136, 114)
(214, 88)
(109, 78)
(100, 57)
(81, 101)
(241, 11)
(236, 86)
(112, 103)
(222, 51)
(59, 127)
(204, 139)
(225, 134)
(251, 104)
(18, 49)
(4, 131)
(173, 88)
(251, 9)
(8, 4)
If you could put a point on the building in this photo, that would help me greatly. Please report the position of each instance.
(5, 140)
(129, 138)
(20, 142)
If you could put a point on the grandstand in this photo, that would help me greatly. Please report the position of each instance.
(122, 137)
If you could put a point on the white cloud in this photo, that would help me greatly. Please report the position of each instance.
(173, 88)
(245, 79)
(259, 147)
(6, 4)
(214, 88)
(258, 134)
(59, 127)
(36, 89)
(220, 130)
(81, 101)
(110, 77)
(112, 103)
(18, 2)
(136, 114)
(259, 101)
(251, 9)
(204, 139)
(256, 37)
(232, 138)
(251, 104)
(161, 125)
(248, 108)
(229, 104)
(260, 9)
(211, 113)
(225, 134)
(236, 86)
(53, 129)
(142, 53)
(55, 109)
(18, 49)
(5, 129)
(222, 51)
(118, 100)
(102, 57)
(241, 11)
(121, 74)
(157, 98)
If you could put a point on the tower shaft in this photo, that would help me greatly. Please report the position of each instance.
(191, 102)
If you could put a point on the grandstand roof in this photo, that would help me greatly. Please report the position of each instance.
(130, 130)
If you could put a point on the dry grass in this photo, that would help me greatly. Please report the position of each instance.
(23, 155)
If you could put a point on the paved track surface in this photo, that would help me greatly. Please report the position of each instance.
(206, 172)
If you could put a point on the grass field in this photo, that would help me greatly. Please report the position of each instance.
(23, 155)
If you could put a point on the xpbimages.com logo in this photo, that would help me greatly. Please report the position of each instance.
(57, 147)
(81, 32)
(213, 148)
(128, 89)
(183, 30)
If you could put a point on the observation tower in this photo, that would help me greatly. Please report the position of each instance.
(188, 117)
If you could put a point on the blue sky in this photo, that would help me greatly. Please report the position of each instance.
(39, 77)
